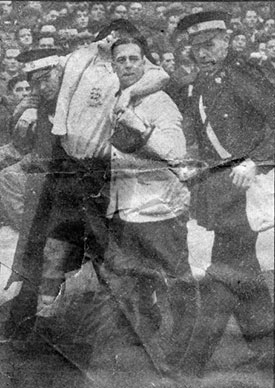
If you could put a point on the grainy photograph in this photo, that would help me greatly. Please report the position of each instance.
(137, 194)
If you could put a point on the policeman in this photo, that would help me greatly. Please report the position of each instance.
(231, 121)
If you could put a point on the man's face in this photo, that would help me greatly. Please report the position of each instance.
(270, 49)
(6, 7)
(269, 26)
(239, 43)
(251, 19)
(52, 16)
(128, 63)
(120, 12)
(48, 82)
(98, 12)
(46, 42)
(135, 11)
(82, 19)
(160, 12)
(10, 61)
(264, 11)
(211, 51)
(25, 37)
(21, 89)
(168, 62)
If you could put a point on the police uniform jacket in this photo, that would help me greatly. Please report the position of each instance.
(239, 104)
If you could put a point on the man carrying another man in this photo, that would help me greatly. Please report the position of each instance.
(146, 265)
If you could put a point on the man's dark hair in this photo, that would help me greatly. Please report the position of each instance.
(82, 8)
(14, 80)
(92, 4)
(128, 29)
(129, 40)
(117, 25)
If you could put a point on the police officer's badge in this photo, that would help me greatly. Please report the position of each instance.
(95, 97)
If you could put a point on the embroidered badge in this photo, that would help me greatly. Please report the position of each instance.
(95, 97)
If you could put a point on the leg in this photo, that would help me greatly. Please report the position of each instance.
(254, 310)
(217, 305)
(56, 254)
(160, 301)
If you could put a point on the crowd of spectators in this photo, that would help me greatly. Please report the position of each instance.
(34, 120)
(26, 25)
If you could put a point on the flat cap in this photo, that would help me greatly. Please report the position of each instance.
(39, 59)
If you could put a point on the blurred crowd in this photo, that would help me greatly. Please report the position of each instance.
(67, 108)
(68, 25)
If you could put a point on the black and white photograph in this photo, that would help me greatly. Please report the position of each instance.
(137, 194)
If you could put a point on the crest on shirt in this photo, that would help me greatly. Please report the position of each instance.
(95, 97)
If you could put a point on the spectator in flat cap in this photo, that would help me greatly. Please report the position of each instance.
(231, 121)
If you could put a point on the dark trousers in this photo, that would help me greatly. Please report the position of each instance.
(233, 285)
(78, 223)
(67, 205)
(148, 274)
